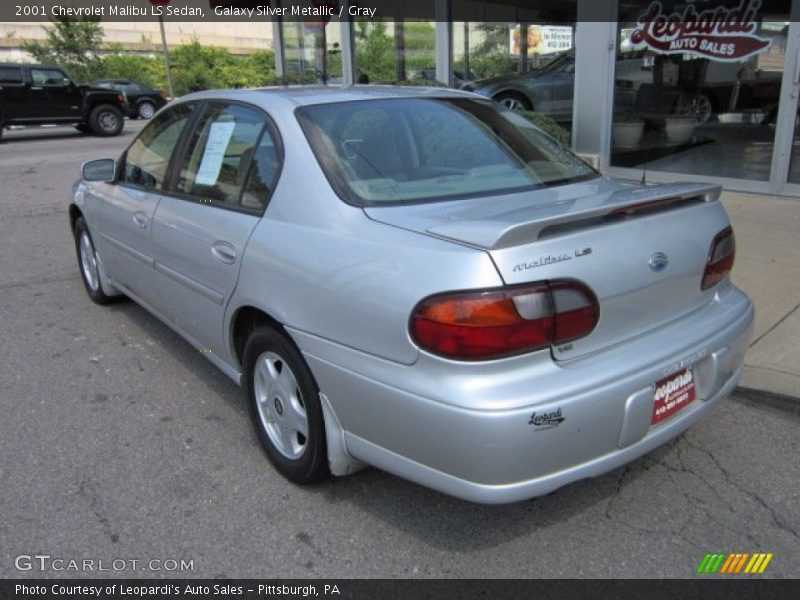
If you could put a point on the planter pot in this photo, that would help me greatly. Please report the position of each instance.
(679, 129)
(628, 135)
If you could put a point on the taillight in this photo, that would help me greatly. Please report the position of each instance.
(720, 258)
(502, 322)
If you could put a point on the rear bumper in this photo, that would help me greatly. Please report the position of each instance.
(467, 429)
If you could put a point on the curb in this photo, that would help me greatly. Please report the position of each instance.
(781, 402)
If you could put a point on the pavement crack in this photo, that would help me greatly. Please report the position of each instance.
(86, 491)
(625, 470)
(774, 514)
(771, 329)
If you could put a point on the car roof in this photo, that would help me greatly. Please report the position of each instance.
(320, 94)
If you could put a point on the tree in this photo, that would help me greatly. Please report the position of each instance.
(491, 56)
(71, 43)
(374, 51)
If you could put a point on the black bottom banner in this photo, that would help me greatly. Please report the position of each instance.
(253, 589)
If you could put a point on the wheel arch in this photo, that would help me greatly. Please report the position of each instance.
(243, 320)
(75, 213)
(510, 91)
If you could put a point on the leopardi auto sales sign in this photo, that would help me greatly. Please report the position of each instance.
(721, 33)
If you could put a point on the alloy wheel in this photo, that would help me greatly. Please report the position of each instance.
(280, 405)
(89, 262)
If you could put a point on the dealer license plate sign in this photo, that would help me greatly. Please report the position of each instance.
(672, 394)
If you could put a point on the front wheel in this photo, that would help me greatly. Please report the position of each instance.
(106, 120)
(88, 263)
(284, 406)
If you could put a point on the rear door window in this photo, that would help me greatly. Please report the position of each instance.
(231, 159)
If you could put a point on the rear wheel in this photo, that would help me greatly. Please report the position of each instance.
(146, 110)
(513, 100)
(284, 406)
(88, 263)
(106, 120)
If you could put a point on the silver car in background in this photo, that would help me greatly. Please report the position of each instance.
(422, 281)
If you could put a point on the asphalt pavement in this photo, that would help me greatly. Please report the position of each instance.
(118, 441)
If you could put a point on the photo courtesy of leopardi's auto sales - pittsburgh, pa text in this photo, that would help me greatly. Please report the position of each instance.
(181, 589)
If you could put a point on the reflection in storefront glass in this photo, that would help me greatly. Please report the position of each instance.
(697, 100)
(526, 66)
(312, 53)
(395, 52)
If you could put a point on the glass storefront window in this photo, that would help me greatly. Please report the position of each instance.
(395, 52)
(697, 87)
(312, 53)
(526, 66)
(794, 166)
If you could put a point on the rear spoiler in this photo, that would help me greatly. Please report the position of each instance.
(544, 221)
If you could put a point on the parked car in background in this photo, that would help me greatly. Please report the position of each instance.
(645, 84)
(421, 280)
(143, 101)
(547, 90)
(32, 94)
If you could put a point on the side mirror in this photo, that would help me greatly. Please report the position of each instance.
(99, 170)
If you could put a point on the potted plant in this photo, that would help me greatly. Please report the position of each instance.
(627, 131)
(680, 126)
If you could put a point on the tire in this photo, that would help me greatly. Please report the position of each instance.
(145, 110)
(699, 105)
(513, 100)
(87, 263)
(106, 120)
(284, 406)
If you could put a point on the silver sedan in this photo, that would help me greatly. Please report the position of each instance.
(422, 281)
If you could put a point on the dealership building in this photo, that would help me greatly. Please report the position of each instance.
(693, 90)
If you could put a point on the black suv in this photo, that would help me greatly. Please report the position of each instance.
(45, 95)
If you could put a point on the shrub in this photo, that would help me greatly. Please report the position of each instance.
(548, 125)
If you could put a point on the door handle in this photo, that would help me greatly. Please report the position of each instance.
(224, 252)
(140, 219)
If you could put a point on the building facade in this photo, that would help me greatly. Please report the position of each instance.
(666, 90)
(145, 36)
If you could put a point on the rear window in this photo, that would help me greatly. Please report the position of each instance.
(410, 150)
(10, 75)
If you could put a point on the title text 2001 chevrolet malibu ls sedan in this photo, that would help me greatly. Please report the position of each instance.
(422, 281)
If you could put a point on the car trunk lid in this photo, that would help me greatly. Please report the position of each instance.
(641, 249)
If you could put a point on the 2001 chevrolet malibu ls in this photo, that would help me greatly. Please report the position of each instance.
(420, 280)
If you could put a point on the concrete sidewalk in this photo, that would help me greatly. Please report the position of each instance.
(768, 268)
